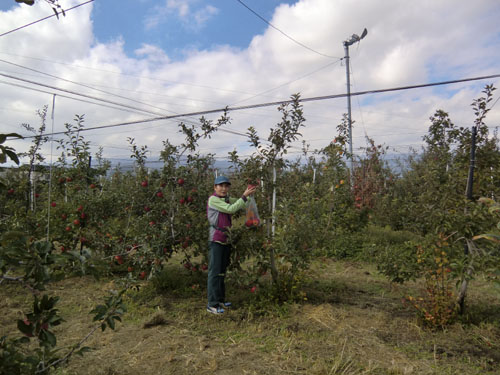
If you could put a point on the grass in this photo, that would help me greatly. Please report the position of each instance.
(353, 322)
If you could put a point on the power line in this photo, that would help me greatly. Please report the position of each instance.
(282, 32)
(132, 75)
(287, 83)
(83, 85)
(42, 19)
(75, 93)
(108, 106)
(67, 97)
(334, 96)
(119, 96)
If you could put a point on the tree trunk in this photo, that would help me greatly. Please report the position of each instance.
(465, 282)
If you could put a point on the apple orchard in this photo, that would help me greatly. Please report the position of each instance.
(79, 220)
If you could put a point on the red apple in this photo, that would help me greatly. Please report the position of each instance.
(253, 289)
(64, 216)
(92, 186)
(159, 194)
(182, 201)
(69, 179)
(53, 204)
(119, 259)
(76, 222)
(190, 199)
(130, 269)
(147, 209)
(10, 191)
(80, 208)
(68, 228)
(142, 275)
(144, 183)
(204, 267)
(83, 215)
(163, 212)
(180, 181)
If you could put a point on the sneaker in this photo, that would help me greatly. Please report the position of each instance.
(225, 304)
(215, 309)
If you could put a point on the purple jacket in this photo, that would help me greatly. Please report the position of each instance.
(219, 212)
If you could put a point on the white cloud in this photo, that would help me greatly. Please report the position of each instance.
(407, 43)
(153, 53)
(186, 11)
(201, 16)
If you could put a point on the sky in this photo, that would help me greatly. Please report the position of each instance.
(151, 58)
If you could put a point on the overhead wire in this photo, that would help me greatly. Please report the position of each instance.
(260, 105)
(100, 104)
(45, 18)
(283, 33)
(93, 88)
(287, 83)
(82, 84)
(67, 97)
(156, 79)
(100, 99)
(127, 108)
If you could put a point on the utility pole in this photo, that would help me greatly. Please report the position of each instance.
(354, 38)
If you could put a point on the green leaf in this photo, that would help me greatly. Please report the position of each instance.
(28, 2)
(3, 137)
(111, 323)
(48, 337)
(13, 156)
(27, 329)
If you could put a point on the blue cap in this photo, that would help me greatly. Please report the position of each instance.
(222, 180)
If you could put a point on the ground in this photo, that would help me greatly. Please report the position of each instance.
(353, 322)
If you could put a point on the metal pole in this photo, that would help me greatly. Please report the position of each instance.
(273, 219)
(349, 120)
(49, 203)
(468, 192)
(470, 179)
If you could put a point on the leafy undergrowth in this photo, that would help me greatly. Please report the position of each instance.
(353, 322)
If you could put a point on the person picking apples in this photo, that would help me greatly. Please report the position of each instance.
(220, 208)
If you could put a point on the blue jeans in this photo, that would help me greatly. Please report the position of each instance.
(217, 265)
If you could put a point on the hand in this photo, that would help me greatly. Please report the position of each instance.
(250, 190)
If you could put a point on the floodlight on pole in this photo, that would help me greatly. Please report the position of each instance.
(354, 39)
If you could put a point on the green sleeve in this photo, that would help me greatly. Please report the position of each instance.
(234, 205)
